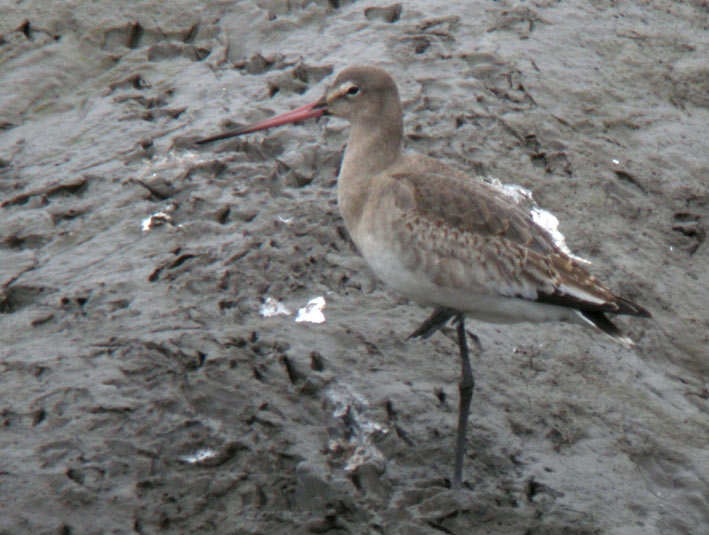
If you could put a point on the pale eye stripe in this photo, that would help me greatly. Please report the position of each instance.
(345, 87)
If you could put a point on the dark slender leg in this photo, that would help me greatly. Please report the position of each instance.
(434, 322)
(438, 318)
(466, 386)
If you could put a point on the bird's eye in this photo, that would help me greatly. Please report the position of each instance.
(352, 91)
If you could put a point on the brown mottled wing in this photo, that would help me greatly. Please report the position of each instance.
(517, 257)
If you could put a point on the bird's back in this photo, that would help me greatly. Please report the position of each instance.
(445, 239)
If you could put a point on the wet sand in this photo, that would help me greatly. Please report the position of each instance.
(144, 390)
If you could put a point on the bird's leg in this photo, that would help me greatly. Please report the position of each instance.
(466, 386)
(434, 322)
(438, 318)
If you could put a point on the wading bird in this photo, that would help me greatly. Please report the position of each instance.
(445, 239)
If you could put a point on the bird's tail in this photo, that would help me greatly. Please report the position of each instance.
(600, 321)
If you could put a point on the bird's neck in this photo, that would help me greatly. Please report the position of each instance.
(371, 150)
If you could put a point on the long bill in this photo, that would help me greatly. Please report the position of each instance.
(301, 114)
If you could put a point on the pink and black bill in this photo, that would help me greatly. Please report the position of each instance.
(310, 111)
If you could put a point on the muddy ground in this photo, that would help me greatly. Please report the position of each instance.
(143, 386)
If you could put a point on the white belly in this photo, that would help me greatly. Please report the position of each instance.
(480, 303)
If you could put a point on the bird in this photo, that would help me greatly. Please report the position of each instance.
(445, 239)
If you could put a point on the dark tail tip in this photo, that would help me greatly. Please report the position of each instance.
(603, 323)
(631, 309)
(599, 320)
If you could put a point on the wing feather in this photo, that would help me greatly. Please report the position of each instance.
(468, 234)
